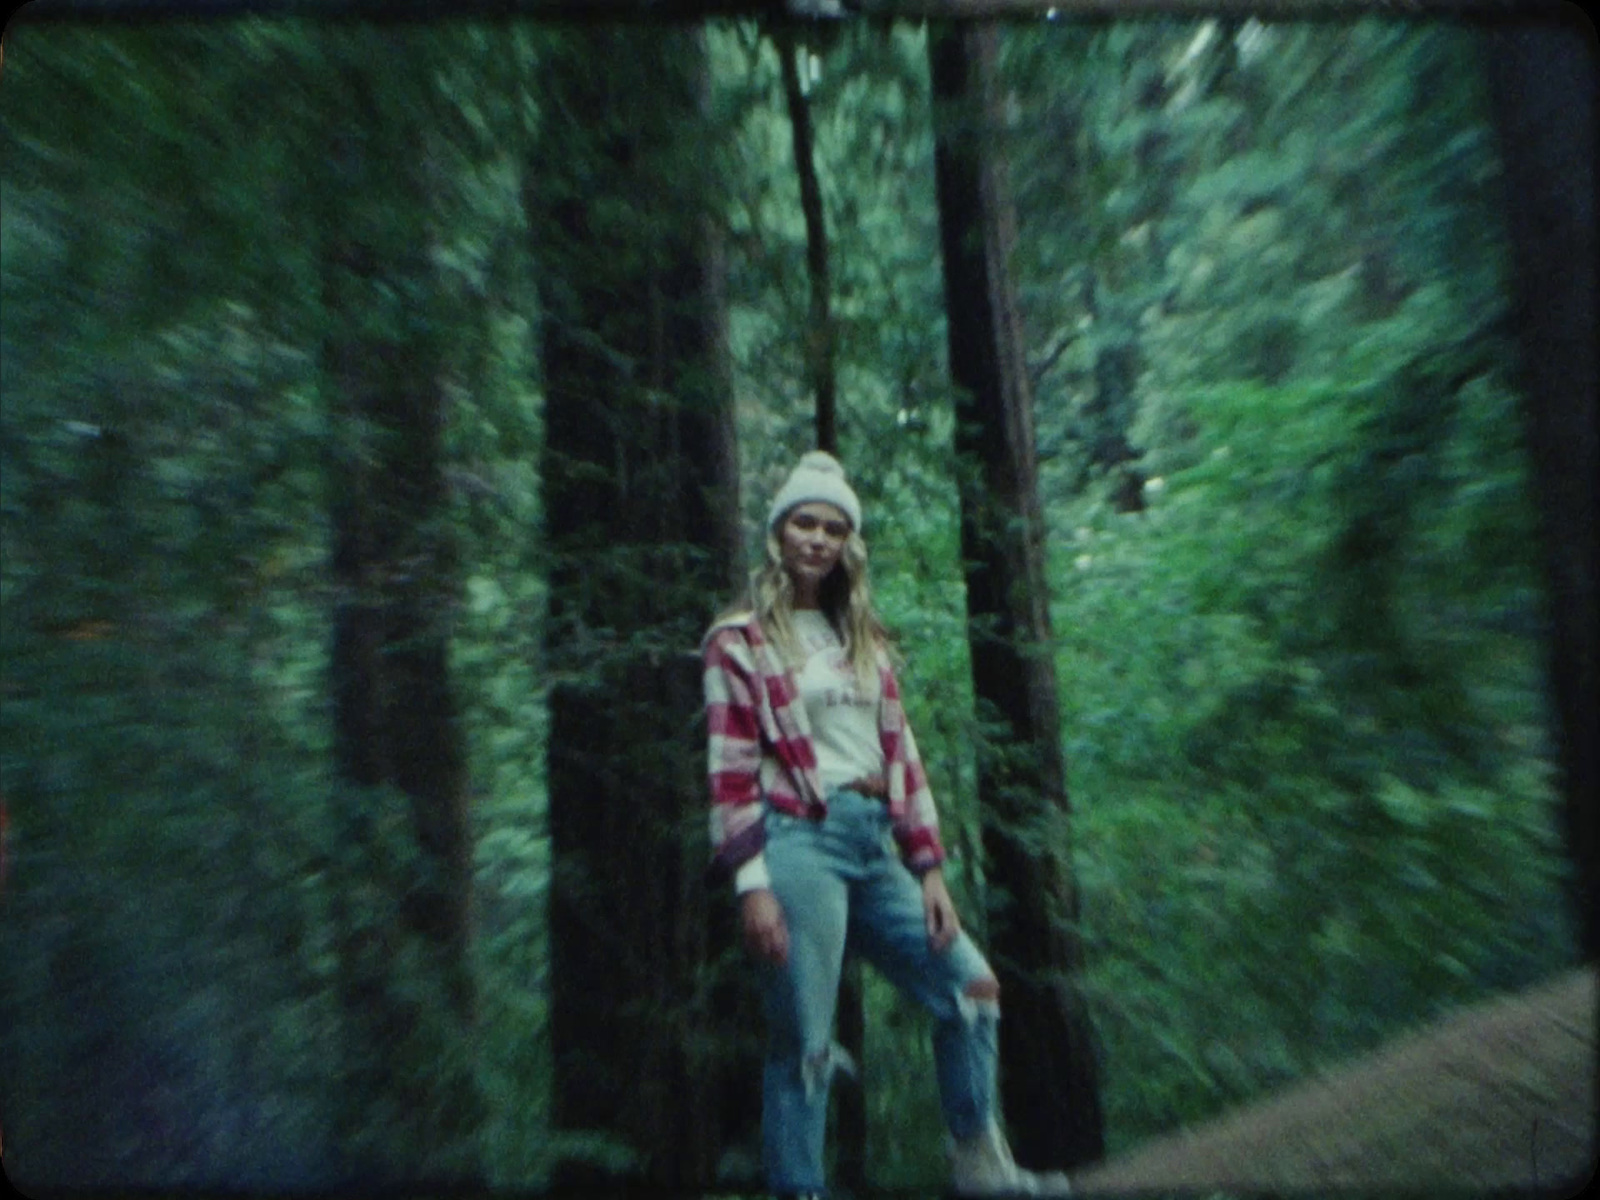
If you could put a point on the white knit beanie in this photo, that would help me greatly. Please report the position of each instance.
(817, 476)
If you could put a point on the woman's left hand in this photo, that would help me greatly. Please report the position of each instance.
(943, 924)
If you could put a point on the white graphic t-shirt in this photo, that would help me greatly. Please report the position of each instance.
(844, 719)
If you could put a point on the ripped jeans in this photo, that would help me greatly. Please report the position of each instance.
(841, 882)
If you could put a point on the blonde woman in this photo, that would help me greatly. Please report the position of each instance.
(822, 818)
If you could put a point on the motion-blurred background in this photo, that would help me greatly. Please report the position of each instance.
(374, 401)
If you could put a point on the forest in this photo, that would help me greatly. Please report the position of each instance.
(386, 408)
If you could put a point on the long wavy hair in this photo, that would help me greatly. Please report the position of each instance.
(845, 598)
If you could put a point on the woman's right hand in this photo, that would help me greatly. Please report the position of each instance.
(765, 934)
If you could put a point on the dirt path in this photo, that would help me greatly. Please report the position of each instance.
(1501, 1095)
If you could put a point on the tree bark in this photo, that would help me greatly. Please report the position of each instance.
(1542, 79)
(1048, 1075)
(412, 1109)
(640, 488)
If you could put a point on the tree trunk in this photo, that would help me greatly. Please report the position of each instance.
(1048, 1074)
(1108, 415)
(850, 1110)
(1542, 77)
(640, 488)
(410, 1098)
(819, 325)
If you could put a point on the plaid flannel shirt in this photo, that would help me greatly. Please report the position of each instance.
(760, 749)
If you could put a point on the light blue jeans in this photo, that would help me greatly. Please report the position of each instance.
(841, 883)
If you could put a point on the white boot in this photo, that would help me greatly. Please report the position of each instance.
(984, 1167)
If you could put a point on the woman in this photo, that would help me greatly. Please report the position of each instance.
(822, 816)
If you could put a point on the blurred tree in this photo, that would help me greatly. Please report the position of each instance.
(170, 1026)
(819, 337)
(1543, 81)
(640, 497)
(1048, 1072)
(412, 1106)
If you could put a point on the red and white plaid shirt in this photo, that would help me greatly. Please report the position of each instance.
(760, 749)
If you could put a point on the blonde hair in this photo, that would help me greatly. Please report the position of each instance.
(845, 599)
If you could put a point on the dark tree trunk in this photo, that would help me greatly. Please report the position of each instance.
(1542, 77)
(850, 1110)
(819, 324)
(641, 511)
(1048, 1073)
(1107, 416)
(412, 1109)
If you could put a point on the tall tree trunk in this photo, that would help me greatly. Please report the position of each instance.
(850, 1109)
(1048, 1075)
(1542, 79)
(640, 489)
(819, 338)
(411, 1100)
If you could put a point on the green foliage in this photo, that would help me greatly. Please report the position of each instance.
(166, 615)
(1307, 814)
(1302, 691)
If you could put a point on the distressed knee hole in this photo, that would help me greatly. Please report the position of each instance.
(980, 999)
(984, 989)
(817, 1067)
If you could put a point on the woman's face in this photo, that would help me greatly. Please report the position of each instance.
(812, 537)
